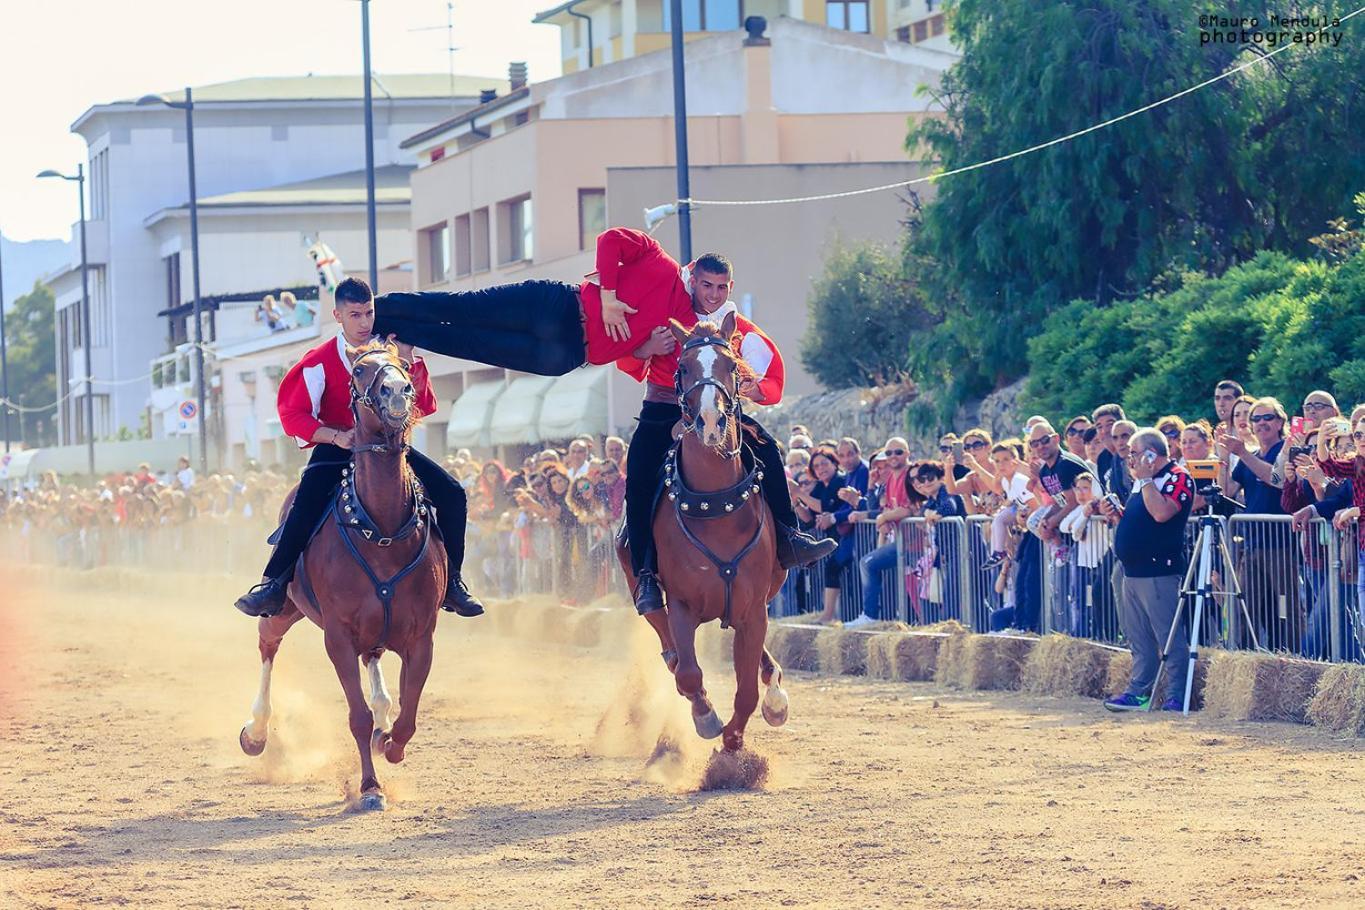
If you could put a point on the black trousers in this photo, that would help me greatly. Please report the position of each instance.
(644, 465)
(321, 479)
(530, 326)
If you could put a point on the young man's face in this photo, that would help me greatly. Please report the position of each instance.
(710, 290)
(1223, 400)
(356, 320)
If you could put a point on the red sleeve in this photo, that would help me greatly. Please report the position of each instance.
(1292, 497)
(620, 246)
(773, 383)
(421, 381)
(1346, 470)
(633, 367)
(295, 406)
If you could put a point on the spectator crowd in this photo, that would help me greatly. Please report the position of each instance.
(1084, 525)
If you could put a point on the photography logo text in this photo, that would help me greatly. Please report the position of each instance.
(1270, 31)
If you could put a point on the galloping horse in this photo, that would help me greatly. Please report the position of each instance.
(373, 575)
(714, 535)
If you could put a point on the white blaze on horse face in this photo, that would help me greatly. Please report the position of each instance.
(380, 703)
(708, 405)
(260, 708)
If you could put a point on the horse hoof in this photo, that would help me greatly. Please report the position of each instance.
(249, 745)
(373, 802)
(708, 725)
(377, 742)
(393, 753)
(775, 707)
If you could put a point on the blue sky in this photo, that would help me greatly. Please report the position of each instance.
(58, 57)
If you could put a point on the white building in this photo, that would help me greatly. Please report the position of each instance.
(250, 134)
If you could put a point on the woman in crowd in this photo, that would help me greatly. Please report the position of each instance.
(1172, 427)
(820, 501)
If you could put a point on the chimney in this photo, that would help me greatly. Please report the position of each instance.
(486, 95)
(516, 75)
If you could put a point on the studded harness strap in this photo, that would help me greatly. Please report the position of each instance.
(719, 503)
(352, 518)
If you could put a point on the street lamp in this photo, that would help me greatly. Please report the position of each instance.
(188, 107)
(369, 147)
(680, 132)
(86, 338)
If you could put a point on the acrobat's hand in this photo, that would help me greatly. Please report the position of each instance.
(614, 314)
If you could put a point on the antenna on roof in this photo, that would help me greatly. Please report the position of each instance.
(450, 42)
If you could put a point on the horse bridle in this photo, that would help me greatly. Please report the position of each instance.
(367, 400)
(732, 409)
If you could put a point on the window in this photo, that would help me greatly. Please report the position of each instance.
(903, 34)
(921, 31)
(850, 15)
(705, 15)
(592, 216)
(936, 25)
(480, 244)
(99, 186)
(436, 254)
(171, 264)
(515, 225)
(99, 307)
(464, 263)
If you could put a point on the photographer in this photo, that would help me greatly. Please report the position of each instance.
(1150, 544)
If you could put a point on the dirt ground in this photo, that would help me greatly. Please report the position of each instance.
(528, 786)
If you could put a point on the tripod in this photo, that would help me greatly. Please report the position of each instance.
(1198, 590)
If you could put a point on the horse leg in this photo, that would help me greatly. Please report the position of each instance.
(380, 702)
(658, 621)
(270, 630)
(416, 666)
(688, 675)
(775, 698)
(748, 652)
(347, 665)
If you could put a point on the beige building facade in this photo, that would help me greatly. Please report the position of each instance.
(518, 187)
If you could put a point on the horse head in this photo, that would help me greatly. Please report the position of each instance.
(382, 397)
(707, 381)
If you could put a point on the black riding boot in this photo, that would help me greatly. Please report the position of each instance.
(319, 481)
(794, 548)
(447, 497)
(644, 464)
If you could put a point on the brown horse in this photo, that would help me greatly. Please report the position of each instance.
(714, 535)
(372, 577)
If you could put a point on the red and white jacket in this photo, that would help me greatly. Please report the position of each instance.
(316, 392)
(750, 344)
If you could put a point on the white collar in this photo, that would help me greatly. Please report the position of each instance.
(342, 344)
(719, 315)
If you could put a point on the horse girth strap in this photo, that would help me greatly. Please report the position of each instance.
(680, 496)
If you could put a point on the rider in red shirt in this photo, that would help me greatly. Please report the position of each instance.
(709, 280)
(314, 403)
(618, 314)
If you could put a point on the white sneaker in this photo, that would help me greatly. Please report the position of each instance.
(862, 620)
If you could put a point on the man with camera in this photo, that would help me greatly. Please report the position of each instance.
(1150, 544)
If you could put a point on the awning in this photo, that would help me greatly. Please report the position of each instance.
(471, 413)
(517, 417)
(14, 464)
(576, 404)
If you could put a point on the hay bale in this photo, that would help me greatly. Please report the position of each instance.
(794, 646)
(715, 646)
(880, 651)
(905, 656)
(983, 661)
(585, 625)
(1339, 702)
(1250, 686)
(1062, 665)
(841, 652)
(1120, 672)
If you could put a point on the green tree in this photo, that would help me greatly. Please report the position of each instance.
(863, 312)
(1196, 185)
(31, 349)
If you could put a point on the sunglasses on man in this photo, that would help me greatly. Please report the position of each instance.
(895, 451)
(1264, 418)
(1316, 406)
(974, 445)
(1040, 441)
